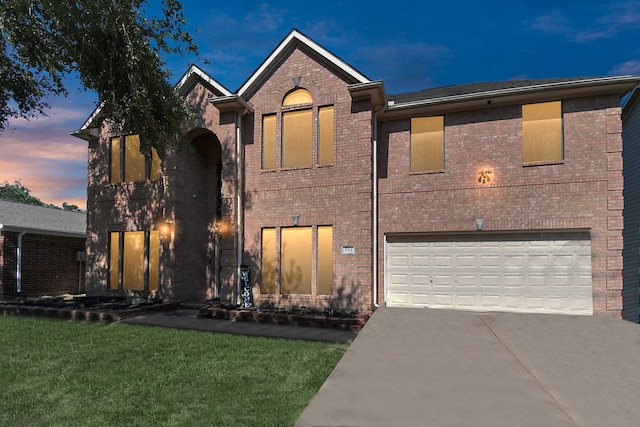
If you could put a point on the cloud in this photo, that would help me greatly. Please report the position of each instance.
(385, 59)
(631, 67)
(45, 158)
(596, 22)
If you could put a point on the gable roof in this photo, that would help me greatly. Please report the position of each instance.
(20, 217)
(294, 40)
(188, 80)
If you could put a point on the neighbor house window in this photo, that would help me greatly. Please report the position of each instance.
(134, 260)
(307, 134)
(297, 273)
(542, 132)
(128, 163)
(427, 144)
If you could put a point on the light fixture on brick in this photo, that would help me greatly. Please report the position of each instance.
(485, 176)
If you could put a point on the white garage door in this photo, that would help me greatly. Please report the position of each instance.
(524, 273)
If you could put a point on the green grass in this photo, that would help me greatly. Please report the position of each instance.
(66, 373)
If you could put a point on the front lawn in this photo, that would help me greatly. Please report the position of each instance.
(67, 373)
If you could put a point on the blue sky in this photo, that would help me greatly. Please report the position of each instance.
(407, 45)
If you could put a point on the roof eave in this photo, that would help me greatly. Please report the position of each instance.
(373, 91)
(27, 230)
(231, 103)
(618, 85)
(293, 38)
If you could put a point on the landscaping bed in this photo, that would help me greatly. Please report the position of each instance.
(98, 309)
(296, 316)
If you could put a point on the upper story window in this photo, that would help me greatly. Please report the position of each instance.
(128, 163)
(303, 145)
(542, 132)
(427, 144)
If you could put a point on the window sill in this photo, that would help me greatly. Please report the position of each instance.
(427, 172)
(544, 163)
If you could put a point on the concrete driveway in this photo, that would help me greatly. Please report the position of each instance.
(423, 367)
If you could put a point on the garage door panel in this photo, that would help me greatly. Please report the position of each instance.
(497, 273)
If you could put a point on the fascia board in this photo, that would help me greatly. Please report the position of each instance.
(293, 37)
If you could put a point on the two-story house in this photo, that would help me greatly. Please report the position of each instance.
(330, 192)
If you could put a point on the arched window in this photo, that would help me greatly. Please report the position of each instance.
(299, 96)
(297, 133)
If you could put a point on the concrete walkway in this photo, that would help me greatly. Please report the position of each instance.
(425, 367)
(185, 318)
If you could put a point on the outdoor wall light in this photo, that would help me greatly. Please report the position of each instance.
(485, 176)
(165, 227)
(295, 219)
(222, 227)
(479, 224)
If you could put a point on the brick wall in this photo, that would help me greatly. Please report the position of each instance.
(338, 195)
(49, 265)
(584, 191)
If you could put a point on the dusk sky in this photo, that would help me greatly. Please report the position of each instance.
(409, 45)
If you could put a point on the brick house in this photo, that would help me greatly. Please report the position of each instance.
(41, 250)
(330, 192)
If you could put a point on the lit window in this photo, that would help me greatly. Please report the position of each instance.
(128, 163)
(325, 260)
(297, 146)
(427, 144)
(297, 97)
(269, 142)
(296, 266)
(134, 260)
(307, 135)
(268, 261)
(542, 132)
(325, 138)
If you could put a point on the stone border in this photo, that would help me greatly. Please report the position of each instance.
(352, 323)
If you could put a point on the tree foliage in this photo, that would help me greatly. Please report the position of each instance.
(17, 192)
(114, 47)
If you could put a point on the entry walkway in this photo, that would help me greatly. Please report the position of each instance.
(185, 318)
(425, 367)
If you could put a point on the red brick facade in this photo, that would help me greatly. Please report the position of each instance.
(49, 265)
(200, 187)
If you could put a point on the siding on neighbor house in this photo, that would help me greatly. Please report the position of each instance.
(631, 233)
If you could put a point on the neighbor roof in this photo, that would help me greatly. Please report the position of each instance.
(41, 220)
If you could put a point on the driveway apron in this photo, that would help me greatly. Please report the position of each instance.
(420, 367)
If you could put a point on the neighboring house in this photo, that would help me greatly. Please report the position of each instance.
(41, 250)
(330, 192)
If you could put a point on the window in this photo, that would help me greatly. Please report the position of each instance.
(542, 132)
(325, 138)
(299, 149)
(427, 144)
(297, 271)
(269, 261)
(269, 142)
(134, 260)
(297, 140)
(128, 163)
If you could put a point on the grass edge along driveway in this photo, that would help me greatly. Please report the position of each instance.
(66, 373)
